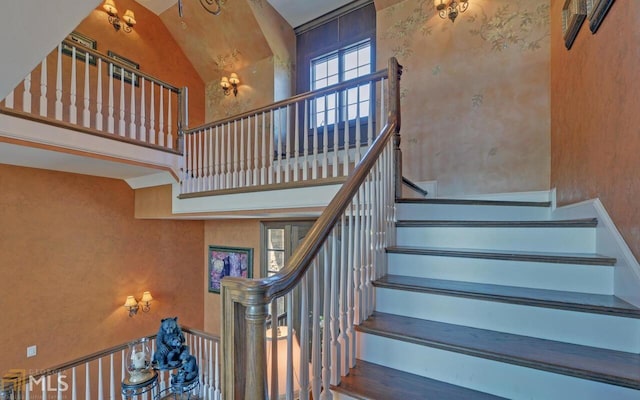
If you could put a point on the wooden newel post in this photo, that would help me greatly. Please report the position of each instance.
(255, 385)
(395, 71)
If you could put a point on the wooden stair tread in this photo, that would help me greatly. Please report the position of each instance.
(573, 301)
(372, 381)
(476, 202)
(572, 223)
(548, 257)
(602, 365)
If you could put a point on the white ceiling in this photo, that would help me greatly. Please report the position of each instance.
(296, 12)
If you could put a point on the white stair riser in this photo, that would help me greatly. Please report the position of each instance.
(589, 329)
(471, 212)
(502, 379)
(569, 277)
(568, 240)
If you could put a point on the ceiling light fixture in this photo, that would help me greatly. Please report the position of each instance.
(212, 6)
(450, 8)
(129, 18)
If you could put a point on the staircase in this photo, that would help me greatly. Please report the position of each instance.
(494, 299)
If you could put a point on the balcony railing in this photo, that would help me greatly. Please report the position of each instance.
(320, 135)
(98, 376)
(82, 89)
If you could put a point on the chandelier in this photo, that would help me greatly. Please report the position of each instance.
(212, 6)
(449, 8)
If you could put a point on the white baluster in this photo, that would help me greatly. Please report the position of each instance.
(287, 142)
(316, 363)
(325, 140)
(133, 129)
(169, 121)
(26, 95)
(278, 138)
(43, 88)
(45, 380)
(305, 142)
(357, 262)
(152, 115)
(350, 351)
(296, 146)
(304, 338)
(271, 149)
(256, 157)
(112, 378)
(121, 124)
(143, 111)
(99, 96)
(59, 85)
(74, 384)
(223, 158)
(241, 171)
(8, 101)
(371, 111)
(235, 154)
(383, 109)
(289, 372)
(161, 118)
(73, 110)
(229, 176)
(100, 381)
(86, 114)
(347, 146)
(336, 351)
(336, 142)
(357, 154)
(263, 171)
(249, 170)
(217, 156)
(27, 392)
(218, 394)
(87, 382)
(314, 160)
(326, 326)
(343, 342)
(186, 180)
(60, 388)
(210, 180)
(368, 246)
(110, 107)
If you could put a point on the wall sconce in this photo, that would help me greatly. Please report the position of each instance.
(129, 18)
(231, 82)
(450, 8)
(134, 305)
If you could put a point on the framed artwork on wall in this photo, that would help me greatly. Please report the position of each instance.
(129, 75)
(573, 14)
(596, 11)
(81, 41)
(228, 261)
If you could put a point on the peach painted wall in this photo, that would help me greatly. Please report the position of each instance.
(594, 116)
(475, 93)
(70, 253)
(153, 47)
(235, 233)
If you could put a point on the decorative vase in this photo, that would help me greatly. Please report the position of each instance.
(139, 361)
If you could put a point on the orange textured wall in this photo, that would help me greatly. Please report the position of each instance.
(70, 253)
(152, 46)
(234, 233)
(594, 115)
(475, 93)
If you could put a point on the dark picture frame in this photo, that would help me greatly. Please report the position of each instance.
(129, 75)
(574, 13)
(596, 11)
(82, 41)
(228, 261)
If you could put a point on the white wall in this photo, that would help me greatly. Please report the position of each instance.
(29, 29)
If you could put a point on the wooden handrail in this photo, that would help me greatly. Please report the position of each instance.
(373, 77)
(255, 294)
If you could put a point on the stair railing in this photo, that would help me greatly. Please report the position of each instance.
(81, 89)
(99, 375)
(326, 286)
(319, 135)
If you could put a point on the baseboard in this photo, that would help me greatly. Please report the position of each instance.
(540, 195)
(609, 242)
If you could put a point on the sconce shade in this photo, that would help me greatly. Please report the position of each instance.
(110, 7)
(283, 332)
(224, 82)
(146, 297)
(131, 302)
(129, 18)
(233, 79)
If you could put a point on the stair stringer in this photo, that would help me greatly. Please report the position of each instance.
(609, 241)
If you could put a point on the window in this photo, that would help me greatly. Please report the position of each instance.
(340, 66)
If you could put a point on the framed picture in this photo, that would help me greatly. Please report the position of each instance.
(129, 75)
(596, 11)
(228, 261)
(82, 41)
(573, 14)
